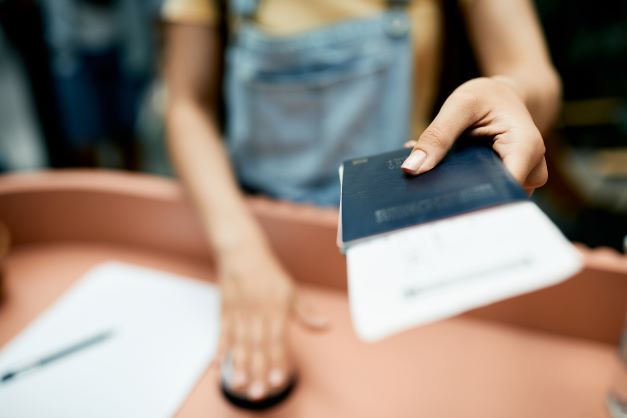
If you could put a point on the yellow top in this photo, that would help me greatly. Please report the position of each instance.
(288, 17)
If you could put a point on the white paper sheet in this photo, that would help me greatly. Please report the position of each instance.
(432, 271)
(165, 335)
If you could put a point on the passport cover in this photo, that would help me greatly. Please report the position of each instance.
(377, 197)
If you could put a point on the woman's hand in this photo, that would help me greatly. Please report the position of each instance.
(258, 299)
(485, 107)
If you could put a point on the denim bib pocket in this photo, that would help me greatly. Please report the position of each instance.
(290, 109)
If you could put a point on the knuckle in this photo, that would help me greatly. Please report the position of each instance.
(539, 147)
(258, 360)
(432, 137)
(538, 176)
(532, 145)
(543, 181)
(537, 139)
(276, 352)
(468, 99)
(240, 354)
(543, 177)
(536, 183)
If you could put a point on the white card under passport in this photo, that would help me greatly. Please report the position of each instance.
(429, 272)
(164, 333)
(460, 236)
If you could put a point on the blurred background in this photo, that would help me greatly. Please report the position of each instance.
(80, 87)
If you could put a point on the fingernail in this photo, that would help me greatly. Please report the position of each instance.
(414, 161)
(256, 390)
(320, 321)
(238, 380)
(276, 378)
(409, 144)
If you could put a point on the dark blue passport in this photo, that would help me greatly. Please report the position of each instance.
(377, 197)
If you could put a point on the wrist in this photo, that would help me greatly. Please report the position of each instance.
(513, 84)
(251, 258)
(232, 241)
(540, 95)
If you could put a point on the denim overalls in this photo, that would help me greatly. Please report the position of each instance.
(298, 106)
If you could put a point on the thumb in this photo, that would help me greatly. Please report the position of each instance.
(455, 116)
(309, 317)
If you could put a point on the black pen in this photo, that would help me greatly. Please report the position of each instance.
(11, 374)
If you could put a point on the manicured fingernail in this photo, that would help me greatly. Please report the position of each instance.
(409, 144)
(414, 161)
(320, 321)
(257, 390)
(276, 378)
(239, 379)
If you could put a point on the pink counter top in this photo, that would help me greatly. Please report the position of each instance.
(546, 354)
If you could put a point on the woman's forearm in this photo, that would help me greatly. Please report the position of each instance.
(510, 47)
(202, 164)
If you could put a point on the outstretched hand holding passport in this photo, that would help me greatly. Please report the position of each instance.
(460, 236)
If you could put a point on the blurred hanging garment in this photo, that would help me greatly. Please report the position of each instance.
(103, 54)
(22, 24)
